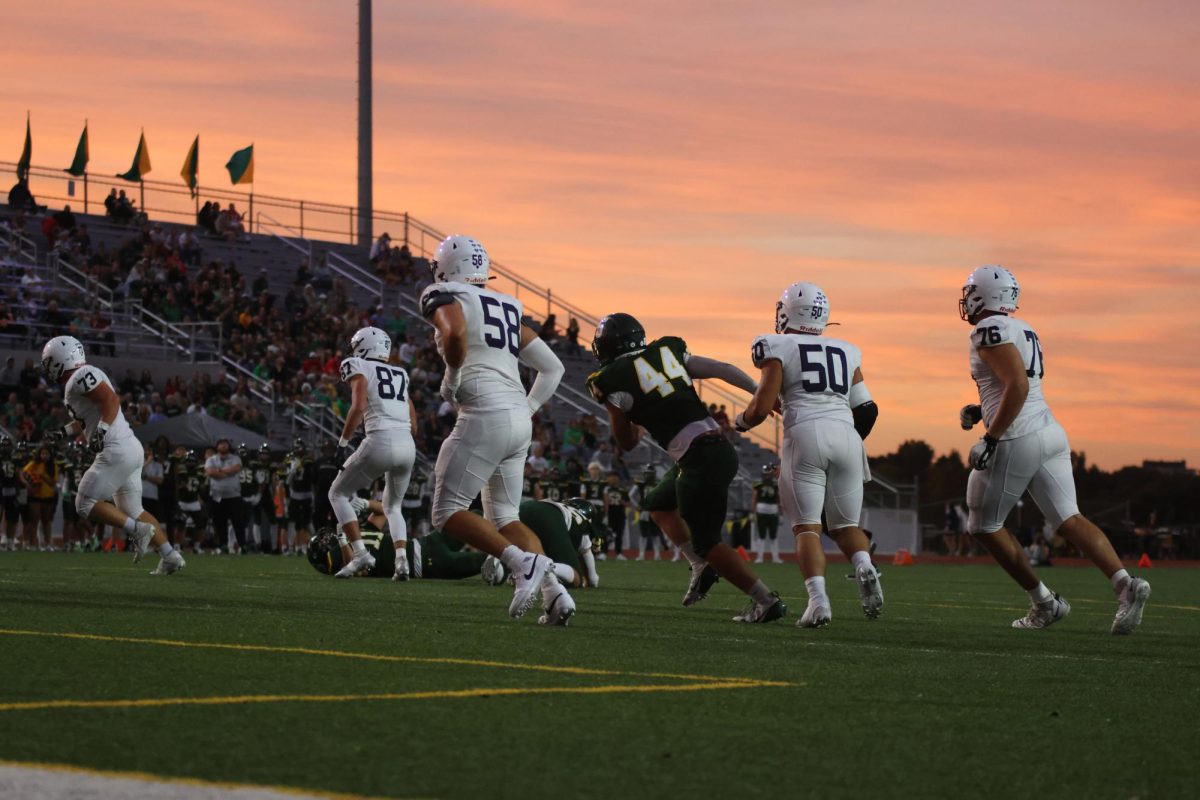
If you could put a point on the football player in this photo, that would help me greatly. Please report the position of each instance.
(433, 557)
(380, 402)
(1024, 447)
(110, 492)
(12, 481)
(569, 532)
(480, 335)
(300, 476)
(648, 387)
(649, 534)
(827, 413)
(765, 499)
(191, 513)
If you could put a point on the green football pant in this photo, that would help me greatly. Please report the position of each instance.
(698, 486)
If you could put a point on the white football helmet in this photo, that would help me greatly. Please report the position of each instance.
(989, 288)
(802, 307)
(60, 354)
(462, 259)
(371, 343)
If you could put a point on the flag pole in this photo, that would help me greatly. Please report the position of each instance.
(85, 192)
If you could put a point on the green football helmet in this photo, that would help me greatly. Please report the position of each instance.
(616, 335)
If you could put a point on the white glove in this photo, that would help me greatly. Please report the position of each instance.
(968, 415)
(359, 504)
(739, 423)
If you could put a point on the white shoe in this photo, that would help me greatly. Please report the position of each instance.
(817, 615)
(640, 557)
(675, 557)
(758, 560)
(703, 579)
(361, 562)
(1130, 603)
(1044, 614)
(870, 593)
(621, 557)
(401, 572)
(557, 604)
(528, 580)
(172, 562)
(758, 612)
(139, 542)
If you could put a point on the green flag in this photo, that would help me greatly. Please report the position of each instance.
(241, 166)
(191, 166)
(141, 162)
(79, 165)
(26, 153)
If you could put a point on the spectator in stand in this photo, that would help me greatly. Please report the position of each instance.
(323, 275)
(189, 248)
(206, 218)
(21, 199)
(549, 332)
(229, 224)
(721, 416)
(65, 219)
(573, 348)
(49, 229)
(381, 251)
(261, 284)
(119, 208)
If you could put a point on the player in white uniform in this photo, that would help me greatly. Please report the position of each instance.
(827, 413)
(1024, 447)
(380, 401)
(480, 336)
(110, 492)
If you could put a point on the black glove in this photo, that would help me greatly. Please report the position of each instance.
(981, 454)
(97, 440)
(968, 415)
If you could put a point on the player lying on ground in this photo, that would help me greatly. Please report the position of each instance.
(1024, 447)
(432, 557)
(380, 401)
(648, 387)
(569, 533)
(827, 412)
(110, 492)
(480, 336)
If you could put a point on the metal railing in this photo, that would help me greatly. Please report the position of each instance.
(260, 389)
(270, 226)
(359, 276)
(18, 245)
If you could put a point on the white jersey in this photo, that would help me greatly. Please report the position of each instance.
(387, 393)
(85, 409)
(489, 379)
(817, 374)
(994, 332)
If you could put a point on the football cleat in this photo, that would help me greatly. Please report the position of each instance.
(171, 563)
(870, 593)
(139, 541)
(759, 612)
(557, 604)
(1130, 604)
(817, 615)
(528, 579)
(401, 572)
(703, 579)
(1044, 614)
(361, 562)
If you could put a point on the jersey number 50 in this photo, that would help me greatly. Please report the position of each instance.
(827, 374)
(503, 330)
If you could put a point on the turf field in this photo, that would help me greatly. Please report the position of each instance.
(257, 670)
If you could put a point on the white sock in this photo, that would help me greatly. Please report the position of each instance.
(815, 587)
(358, 546)
(165, 549)
(1118, 579)
(690, 554)
(511, 557)
(861, 559)
(564, 573)
(589, 565)
(401, 548)
(130, 525)
(761, 593)
(1040, 593)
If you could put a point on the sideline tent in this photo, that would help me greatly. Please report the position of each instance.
(197, 431)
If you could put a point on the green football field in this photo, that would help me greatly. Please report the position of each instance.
(259, 671)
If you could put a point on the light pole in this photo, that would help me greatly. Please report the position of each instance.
(365, 167)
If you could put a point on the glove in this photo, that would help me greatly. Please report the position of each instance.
(359, 505)
(449, 386)
(981, 454)
(968, 415)
(97, 440)
(739, 422)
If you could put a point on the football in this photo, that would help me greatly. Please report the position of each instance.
(492, 571)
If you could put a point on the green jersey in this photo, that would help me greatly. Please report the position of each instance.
(766, 497)
(552, 491)
(653, 388)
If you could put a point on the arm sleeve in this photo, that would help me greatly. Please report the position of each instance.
(537, 354)
(859, 394)
(701, 367)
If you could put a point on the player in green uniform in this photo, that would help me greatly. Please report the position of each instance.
(567, 532)
(651, 537)
(76, 529)
(765, 503)
(648, 388)
(432, 557)
(11, 483)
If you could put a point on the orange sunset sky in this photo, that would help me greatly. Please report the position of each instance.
(685, 161)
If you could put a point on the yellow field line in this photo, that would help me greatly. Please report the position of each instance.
(248, 699)
(147, 777)
(258, 648)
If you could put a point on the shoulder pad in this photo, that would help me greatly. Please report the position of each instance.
(761, 351)
(593, 385)
(85, 379)
(992, 331)
(434, 298)
(350, 367)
